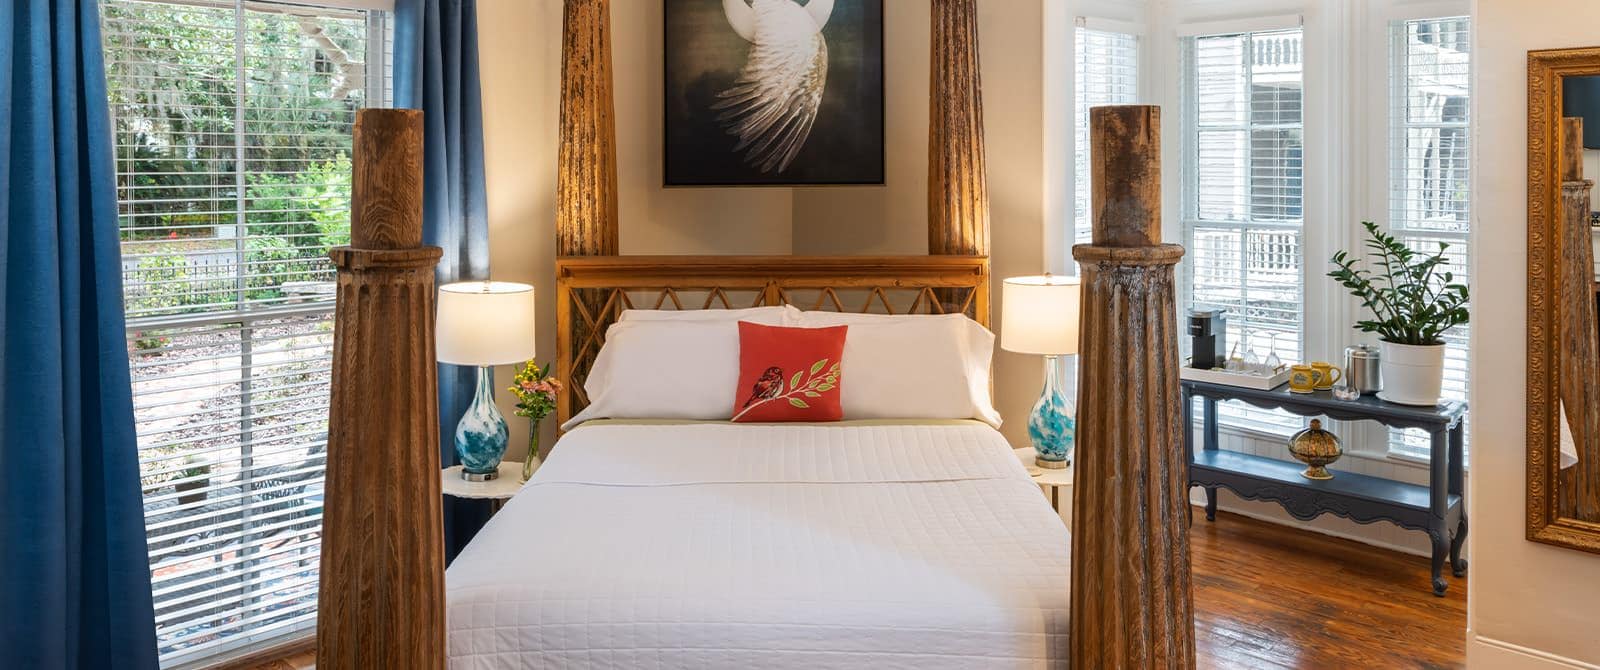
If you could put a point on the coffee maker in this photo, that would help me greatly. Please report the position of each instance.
(1208, 338)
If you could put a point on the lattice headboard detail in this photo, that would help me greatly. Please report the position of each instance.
(592, 291)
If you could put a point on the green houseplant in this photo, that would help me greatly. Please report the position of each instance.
(193, 480)
(1413, 299)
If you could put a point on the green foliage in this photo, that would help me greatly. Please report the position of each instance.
(162, 282)
(195, 465)
(149, 343)
(1413, 300)
(176, 101)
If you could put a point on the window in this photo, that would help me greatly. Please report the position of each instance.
(1107, 66)
(1429, 194)
(232, 129)
(1243, 200)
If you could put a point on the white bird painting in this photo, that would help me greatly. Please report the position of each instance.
(773, 103)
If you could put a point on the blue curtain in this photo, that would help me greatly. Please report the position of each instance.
(436, 70)
(74, 575)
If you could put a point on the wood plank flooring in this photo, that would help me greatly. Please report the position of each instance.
(1269, 596)
(1274, 597)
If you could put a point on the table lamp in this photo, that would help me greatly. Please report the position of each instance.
(483, 323)
(1040, 316)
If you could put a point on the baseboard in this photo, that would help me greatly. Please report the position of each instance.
(1487, 653)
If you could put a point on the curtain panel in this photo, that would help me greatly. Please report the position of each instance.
(76, 576)
(436, 70)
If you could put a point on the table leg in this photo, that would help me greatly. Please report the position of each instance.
(1187, 398)
(1438, 493)
(1458, 567)
(1210, 444)
(1055, 499)
(1210, 420)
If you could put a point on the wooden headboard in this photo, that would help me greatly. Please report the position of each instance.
(592, 291)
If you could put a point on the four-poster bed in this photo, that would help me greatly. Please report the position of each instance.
(997, 593)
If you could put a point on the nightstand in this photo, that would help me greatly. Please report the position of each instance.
(1054, 480)
(499, 490)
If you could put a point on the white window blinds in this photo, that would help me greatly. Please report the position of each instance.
(232, 123)
(1243, 194)
(1429, 195)
(1107, 73)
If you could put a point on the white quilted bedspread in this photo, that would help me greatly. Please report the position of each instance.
(767, 546)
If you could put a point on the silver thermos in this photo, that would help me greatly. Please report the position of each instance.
(1361, 368)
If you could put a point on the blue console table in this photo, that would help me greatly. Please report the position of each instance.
(1435, 509)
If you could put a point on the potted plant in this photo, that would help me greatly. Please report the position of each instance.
(195, 477)
(536, 392)
(1413, 300)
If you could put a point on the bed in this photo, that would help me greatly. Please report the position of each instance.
(915, 538)
(879, 544)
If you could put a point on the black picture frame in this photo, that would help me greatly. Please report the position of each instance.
(703, 56)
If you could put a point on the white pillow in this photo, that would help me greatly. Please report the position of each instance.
(664, 369)
(777, 315)
(921, 366)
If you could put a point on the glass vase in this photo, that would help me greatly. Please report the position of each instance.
(482, 435)
(1052, 425)
(530, 462)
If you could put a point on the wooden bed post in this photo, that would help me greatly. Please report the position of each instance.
(1132, 603)
(958, 192)
(586, 173)
(586, 169)
(381, 599)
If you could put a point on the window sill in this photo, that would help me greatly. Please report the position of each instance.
(247, 658)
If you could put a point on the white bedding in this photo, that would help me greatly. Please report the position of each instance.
(757, 546)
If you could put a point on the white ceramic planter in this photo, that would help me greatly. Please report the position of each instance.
(1412, 374)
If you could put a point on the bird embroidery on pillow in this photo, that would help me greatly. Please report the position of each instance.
(768, 386)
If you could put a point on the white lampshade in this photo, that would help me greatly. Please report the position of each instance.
(485, 323)
(1039, 315)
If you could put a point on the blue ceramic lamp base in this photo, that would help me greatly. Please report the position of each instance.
(482, 434)
(1051, 426)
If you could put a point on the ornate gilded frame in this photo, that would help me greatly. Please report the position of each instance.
(1545, 70)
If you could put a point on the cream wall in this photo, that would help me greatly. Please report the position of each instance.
(519, 50)
(893, 219)
(519, 47)
(1522, 595)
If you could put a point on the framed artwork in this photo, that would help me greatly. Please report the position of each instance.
(773, 92)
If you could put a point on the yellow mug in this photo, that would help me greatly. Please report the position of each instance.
(1327, 374)
(1303, 378)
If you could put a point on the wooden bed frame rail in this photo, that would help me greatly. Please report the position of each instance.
(592, 291)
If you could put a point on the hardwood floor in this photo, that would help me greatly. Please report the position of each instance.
(1271, 597)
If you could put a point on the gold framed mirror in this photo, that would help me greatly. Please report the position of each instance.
(1563, 467)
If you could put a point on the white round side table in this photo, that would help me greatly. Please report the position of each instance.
(500, 489)
(1054, 479)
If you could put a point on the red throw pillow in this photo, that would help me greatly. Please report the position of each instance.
(788, 374)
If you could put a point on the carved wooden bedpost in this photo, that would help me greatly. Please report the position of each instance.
(586, 177)
(586, 171)
(1131, 597)
(958, 191)
(958, 187)
(381, 603)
